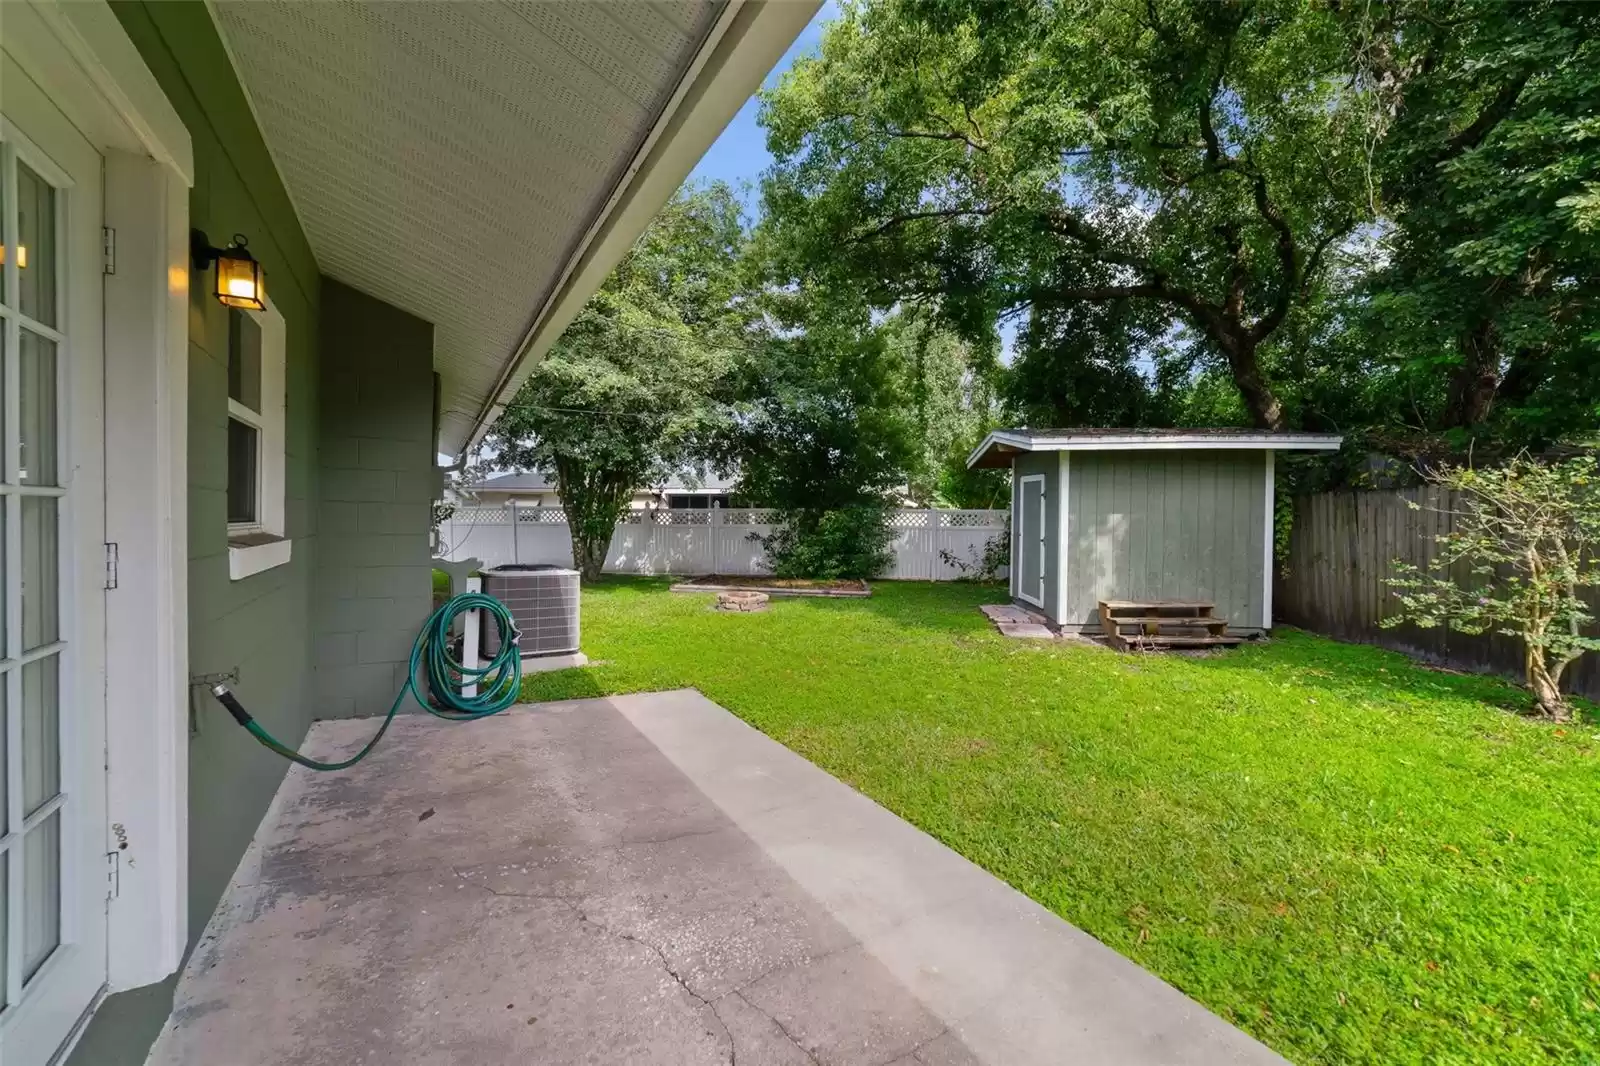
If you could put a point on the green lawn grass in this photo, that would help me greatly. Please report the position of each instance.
(1355, 859)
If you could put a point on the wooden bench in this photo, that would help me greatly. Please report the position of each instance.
(1159, 624)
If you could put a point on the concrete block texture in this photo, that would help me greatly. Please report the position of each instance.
(376, 489)
(643, 879)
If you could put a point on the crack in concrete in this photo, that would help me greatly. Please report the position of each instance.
(810, 1057)
(915, 1052)
(666, 964)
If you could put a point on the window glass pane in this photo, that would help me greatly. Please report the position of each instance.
(37, 371)
(41, 732)
(36, 246)
(5, 257)
(41, 893)
(41, 573)
(244, 359)
(242, 442)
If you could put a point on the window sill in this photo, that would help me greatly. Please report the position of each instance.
(254, 554)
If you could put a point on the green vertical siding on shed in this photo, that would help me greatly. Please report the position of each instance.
(1167, 525)
(1047, 464)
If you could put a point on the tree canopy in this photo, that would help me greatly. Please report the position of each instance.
(1073, 159)
(640, 383)
(1333, 216)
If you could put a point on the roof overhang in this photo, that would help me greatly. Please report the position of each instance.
(1000, 447)
(483, 166)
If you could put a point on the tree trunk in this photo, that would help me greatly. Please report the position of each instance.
(589, 557)
(1474, 383)
(1265, 410)
(1545, 688)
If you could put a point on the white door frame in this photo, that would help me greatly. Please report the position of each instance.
(1022, 525)
(1063, 535)
(93, 72)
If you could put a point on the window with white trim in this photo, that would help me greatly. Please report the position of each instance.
(255, 441)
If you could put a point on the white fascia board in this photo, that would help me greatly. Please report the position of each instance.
(743, 46)
(998, 437)
(1309, 442)
(1198, 440)
(112, 63)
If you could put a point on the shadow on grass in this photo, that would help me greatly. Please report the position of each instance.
(1363, 671)
(578, 683)
(945, 606)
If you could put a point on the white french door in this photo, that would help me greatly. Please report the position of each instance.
(53, 871)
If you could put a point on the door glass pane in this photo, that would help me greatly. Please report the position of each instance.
(244, 359)
(37, 371)
(5, 780)
(41, 893)
(41, 732)
(5, 922)
(36, 246)
(41, 576)
(242, 441)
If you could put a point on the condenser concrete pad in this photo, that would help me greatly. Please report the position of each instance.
(642, 879)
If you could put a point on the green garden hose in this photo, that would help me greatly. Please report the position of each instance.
(499, 681)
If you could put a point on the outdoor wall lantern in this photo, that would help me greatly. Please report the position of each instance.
(239, 280)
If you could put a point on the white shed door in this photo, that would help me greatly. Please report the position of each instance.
(53, 872)
(1030, 539)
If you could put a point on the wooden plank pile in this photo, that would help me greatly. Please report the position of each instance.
(1156, 625)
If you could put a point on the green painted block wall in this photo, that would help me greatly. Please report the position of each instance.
(260, 625)
(1167, 525)
(374, 586)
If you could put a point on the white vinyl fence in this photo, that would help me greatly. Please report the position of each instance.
(713, 541)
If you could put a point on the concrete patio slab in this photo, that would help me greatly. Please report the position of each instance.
(643, 879)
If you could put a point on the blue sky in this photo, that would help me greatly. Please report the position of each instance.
(740, 155)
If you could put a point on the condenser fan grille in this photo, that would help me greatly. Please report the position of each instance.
(544, 603)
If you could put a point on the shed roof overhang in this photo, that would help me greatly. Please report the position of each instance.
(1000, 447)
(484, 165)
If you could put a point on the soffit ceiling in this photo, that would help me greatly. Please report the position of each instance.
(449, 157)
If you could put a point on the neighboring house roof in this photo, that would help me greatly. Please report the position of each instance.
(535, 481)
(484, 166)
(999, 447)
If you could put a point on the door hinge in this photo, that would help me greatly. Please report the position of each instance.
(108, 250)
(111, 564)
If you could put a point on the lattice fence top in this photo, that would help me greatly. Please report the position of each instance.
(481, 516)
(972, 519)
(667, 517)
(749, 516)
(541, 516)
(904, 518)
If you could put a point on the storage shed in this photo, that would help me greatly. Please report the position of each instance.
(1148, 514)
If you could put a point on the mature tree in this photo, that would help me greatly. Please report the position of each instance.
(1486, 125)
(1073, 158)
(1092, 364)
(641, 382)
(828, 420)
(950, 386)
(827, 432)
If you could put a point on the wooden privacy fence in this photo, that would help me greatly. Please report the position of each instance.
(710, 541)
(1343, 547)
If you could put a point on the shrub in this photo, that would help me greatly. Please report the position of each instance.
(1528, 537)
(851, 541)
(984, 566)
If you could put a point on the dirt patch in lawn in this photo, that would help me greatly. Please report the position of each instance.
(776, 586)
